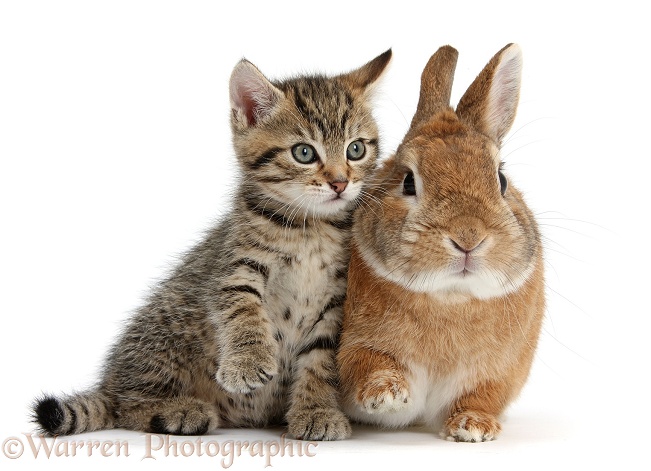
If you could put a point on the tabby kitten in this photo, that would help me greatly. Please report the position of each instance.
(243, 332)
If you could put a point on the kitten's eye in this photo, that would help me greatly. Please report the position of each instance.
(409, 185)
(356, 150)
(304, 153)
(503, 184)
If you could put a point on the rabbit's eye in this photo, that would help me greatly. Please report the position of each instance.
(409, 185)
(503, 184)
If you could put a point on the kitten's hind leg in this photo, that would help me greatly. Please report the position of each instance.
(314, 412)
(182, 415)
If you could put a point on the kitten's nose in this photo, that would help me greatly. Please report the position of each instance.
(339, 186)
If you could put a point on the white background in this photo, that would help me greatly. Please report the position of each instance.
(115, 156)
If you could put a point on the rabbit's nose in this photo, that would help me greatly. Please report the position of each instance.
(466, 247)
(467, 233)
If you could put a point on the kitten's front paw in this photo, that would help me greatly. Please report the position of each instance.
(471, 426)
(244, 372)
(319, 424)
(384, 391)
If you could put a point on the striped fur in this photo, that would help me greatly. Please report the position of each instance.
(243, 332)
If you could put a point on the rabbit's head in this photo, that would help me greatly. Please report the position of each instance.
(441, 216)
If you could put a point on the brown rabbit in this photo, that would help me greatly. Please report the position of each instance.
(445, 288)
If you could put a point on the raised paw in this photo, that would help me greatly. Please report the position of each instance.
(244, 372)
(184, 421)
(384, 391)
(319, 424)
(471, 426)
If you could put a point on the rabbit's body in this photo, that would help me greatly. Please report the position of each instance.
(445, 290)
(468, 352)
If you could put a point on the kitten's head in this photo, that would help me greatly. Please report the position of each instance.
(305, 145)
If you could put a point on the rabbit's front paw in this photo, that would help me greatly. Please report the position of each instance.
(384, 391)
(471, 426)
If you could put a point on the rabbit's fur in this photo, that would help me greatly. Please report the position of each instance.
(445, 290)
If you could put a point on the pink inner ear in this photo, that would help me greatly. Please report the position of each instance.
(244, 100)
(246, 91)
(249, 108)
(252, 95)
(504, 93)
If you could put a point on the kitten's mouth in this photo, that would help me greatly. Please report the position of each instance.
(331, 205)
(335, 199)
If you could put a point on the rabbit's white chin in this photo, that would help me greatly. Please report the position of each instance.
(453, 286)
(458, 287)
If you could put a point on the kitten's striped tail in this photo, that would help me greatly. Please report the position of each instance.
(73, 414)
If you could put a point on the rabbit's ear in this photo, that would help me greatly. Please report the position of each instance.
(490, 103)
(435, 85)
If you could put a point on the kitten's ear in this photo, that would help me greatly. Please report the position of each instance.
(367, 74)
(253, 96)
(490, 103)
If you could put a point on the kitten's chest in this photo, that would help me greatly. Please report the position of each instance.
(301, 286)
